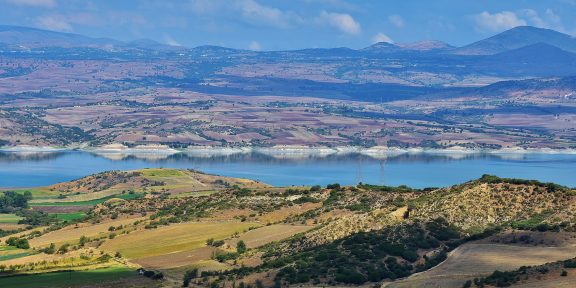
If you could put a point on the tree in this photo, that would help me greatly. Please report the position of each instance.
(241, 247)
(18, 242)
(83, 240)
(188, 276)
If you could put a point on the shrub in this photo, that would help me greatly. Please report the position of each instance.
(241, 247)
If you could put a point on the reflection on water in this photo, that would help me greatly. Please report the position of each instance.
(414, 169)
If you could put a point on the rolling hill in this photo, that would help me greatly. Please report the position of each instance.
(254, 234)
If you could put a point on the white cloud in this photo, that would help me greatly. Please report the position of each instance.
(254, 46)
(54, 22)
(255, 11)
(533, 18)
(507, 19)
(498, 21)
(381, 37)
(397, 21)
(342, 22)
(35, 3)
(170, 41)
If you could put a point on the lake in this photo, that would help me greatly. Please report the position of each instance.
(415, 170)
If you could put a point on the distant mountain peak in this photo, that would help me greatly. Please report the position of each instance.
(519, 37)
(426, 45)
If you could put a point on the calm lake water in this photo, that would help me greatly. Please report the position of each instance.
(416, 170)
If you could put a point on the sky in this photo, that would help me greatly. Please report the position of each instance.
(289, 24)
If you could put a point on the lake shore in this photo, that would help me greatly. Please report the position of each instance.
(285, 150)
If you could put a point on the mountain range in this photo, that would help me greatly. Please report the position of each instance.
(497, 83)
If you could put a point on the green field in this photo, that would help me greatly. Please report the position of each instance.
(13, 256)
(70, 216)
(40, 193)
(89, 203)
(162, 173)
(9, 253)
(9, 218)
(66, 279)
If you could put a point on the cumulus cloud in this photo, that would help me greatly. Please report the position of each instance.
(508, 19)
(396, 20)
(498, 21)
(254, 46)
(257, 12)
(34, 3)
(342, 22)
(54, 22)
(381, 37)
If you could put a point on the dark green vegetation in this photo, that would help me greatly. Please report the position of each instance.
(11, 201)
(390, 253)
(126, 196)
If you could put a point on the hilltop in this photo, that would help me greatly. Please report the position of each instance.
(217, 231)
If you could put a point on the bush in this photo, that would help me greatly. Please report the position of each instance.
(188, 276)
(241, 247)
(18, 242)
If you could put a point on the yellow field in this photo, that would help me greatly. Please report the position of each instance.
(71, 234)
(473, 260)
(262, 236)
(285, 212)
(172, 239)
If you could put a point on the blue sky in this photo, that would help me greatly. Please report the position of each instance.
(289, 24)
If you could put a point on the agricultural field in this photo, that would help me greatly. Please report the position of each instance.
(9, 218)
(175, 238)
(104, 277)
(267, 234)
(9, 253)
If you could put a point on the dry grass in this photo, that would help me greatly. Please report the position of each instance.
(285, 212)
(172, 239)
(72, 233)
(473, 260)
(262, 236)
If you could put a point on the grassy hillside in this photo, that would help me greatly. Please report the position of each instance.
(216, 231)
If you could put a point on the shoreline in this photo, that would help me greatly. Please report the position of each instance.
(285, 151)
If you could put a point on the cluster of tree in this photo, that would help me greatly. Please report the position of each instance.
(151, 274)
(550, 187)
(11, 201)
(537, 223)
(21, 243)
